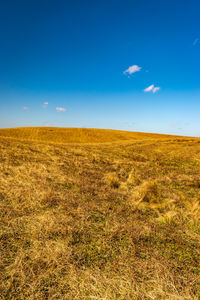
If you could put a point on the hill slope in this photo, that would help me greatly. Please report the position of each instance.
(77, 135)
(99, 221)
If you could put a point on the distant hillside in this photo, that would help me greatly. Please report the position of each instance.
(77, 135)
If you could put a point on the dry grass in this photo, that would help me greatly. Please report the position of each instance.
(99, 221)
(75, 135)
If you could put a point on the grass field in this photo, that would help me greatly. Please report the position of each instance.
(75, 135)
(98, 214)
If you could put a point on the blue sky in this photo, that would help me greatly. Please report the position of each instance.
(120, 64)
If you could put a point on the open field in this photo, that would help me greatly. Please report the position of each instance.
(76, 135)
(118, 219)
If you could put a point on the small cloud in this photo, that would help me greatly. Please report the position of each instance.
(149, 88)
(152, 89)
(25, 108)
(196, 41)
(132, 69)
(45, 104)
(173, 125)
(47, 124)
(156, 89)
(61, 109)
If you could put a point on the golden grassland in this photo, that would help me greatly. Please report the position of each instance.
(112, 220)
(75, 135)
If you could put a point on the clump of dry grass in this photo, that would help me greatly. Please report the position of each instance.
(147, 192)
(106, 221)
(113, 180)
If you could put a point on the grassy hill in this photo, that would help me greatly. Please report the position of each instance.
(76, 135)
(98, 214)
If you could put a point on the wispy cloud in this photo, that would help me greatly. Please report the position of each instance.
(173, 125)
(25, 108)
(45, 104)
(61, 109)
(196, 41)
(47, 124)
(156, 89)
(132, 69)
(149, 88)
(152, 89)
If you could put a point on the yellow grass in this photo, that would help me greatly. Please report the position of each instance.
(76, 135)
(98, 214)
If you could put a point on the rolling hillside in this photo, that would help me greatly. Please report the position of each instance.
(77, 135)
(98, 214)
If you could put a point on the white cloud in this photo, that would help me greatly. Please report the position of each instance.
(173, 124)
(156, 89)
(25, 108)
(61, 109)
(132, 69)
(152, 89)
(149, 88)
(45, 104)
(196, 41)
(47, 124)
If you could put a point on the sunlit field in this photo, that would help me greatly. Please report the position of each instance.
(76, 135)
(99, 214)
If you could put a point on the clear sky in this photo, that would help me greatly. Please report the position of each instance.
(120, 64)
